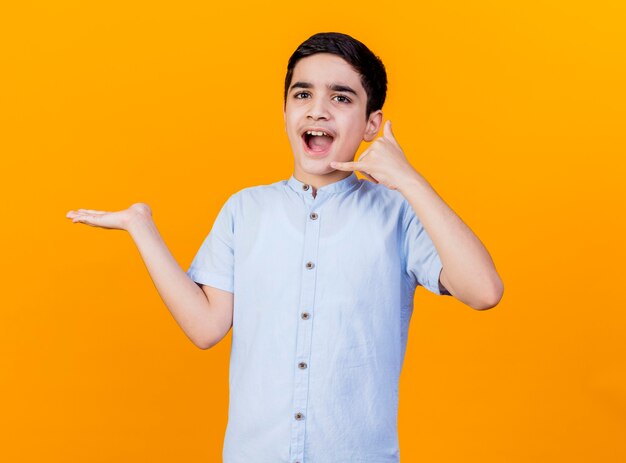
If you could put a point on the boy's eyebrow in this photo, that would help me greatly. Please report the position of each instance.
(335, 87)
(342, 88)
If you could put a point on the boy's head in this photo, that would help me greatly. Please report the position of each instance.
(335, 88)
(362, 59)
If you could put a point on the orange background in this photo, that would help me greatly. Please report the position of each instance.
(514, 111)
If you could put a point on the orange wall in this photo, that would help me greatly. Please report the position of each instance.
(514, 112)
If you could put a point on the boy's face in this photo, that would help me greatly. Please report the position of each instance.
(326, 95)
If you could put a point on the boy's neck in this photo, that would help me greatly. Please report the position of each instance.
(319, 181)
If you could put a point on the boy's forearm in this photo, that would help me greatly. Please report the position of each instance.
(183, 297)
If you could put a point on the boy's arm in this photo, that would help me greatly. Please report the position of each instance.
(468, 271)
(206, 314)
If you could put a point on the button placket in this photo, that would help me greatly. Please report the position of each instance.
(304, 332)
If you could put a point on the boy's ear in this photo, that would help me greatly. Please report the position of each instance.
(374, 122)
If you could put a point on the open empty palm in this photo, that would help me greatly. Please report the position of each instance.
(115, 220)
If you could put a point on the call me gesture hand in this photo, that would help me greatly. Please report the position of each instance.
(382, 162)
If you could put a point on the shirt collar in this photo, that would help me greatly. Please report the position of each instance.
(339, 186)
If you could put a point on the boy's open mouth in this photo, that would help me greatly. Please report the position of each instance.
(317, 141)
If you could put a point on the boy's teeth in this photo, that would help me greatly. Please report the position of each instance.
(313, 132)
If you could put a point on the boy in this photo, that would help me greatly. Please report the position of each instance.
(324, 266)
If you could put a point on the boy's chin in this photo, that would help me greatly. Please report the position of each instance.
(319, 170)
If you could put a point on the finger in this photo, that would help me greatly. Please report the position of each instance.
(345, 165)
(72, 214)
(387, 131)
(88, 219)
(91, 211)
(365, 174)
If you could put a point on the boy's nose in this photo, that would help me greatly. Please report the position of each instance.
(317, 116)
(318, 111)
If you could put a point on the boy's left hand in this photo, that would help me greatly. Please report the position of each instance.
(382, 162)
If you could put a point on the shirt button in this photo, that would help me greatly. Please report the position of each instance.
(305, 315)
(310, 265)
(313, 216)
(299, 416)
(302, 365)
(305, 187)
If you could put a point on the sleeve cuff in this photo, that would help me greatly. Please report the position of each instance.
(211, 279)
(433, 276)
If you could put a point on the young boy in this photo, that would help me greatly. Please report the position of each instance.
(324, 267)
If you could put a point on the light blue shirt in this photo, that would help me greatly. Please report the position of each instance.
(323, 294)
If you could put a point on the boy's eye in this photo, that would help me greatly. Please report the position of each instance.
(343, 99)
(301, 95)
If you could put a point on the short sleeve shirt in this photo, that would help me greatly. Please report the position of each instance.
(323, 294)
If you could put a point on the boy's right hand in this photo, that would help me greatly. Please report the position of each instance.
(120, 220)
